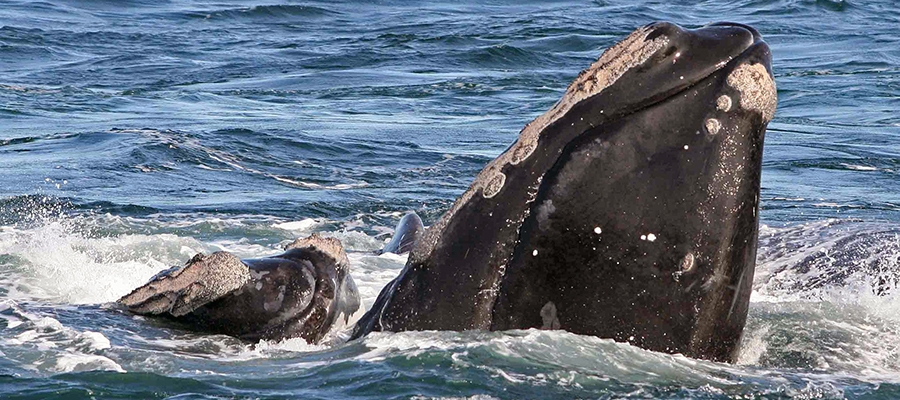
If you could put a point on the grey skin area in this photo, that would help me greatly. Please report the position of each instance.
(302, 292)
(407, 233)
(627, 211)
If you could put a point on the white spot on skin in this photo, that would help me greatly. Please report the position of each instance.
(651, 237)
(686, 147)
(643, 237)
(597, 230)
(687, 263)
(712, 126)
(534, 253)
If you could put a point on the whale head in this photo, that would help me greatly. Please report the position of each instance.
(629, 210)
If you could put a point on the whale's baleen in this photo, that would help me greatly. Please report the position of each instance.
(304, 292)
(627, 211)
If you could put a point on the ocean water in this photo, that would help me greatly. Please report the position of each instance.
(134, 134)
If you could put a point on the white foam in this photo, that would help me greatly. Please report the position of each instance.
(73, 362)
(859, 167)
(302, 225)
(832, 288)
(65, 266)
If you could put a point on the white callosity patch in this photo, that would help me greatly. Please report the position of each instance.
(634, 50)
(494, 185)
(723, 103)
(757, 88)
(201, 280)
(713, 125)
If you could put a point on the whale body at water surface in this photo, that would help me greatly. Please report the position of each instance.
(304, 292)
(626, 211)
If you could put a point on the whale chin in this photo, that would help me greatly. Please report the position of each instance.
(626, 211)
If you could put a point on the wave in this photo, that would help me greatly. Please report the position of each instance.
(275, 12)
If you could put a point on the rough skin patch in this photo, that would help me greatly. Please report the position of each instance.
(202, 280)
(494, 185)
(634, 50)
(757, 89)
(712, 126)
(723, 103)
(328, 245)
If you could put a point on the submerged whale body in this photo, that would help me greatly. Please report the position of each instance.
(627, 211)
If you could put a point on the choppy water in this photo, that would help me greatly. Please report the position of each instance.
(134, 134)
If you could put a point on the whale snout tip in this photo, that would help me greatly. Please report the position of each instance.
(755, 33)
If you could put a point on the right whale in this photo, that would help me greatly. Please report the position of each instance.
(628, 211)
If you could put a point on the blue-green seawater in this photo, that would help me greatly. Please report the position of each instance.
(136, 133)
